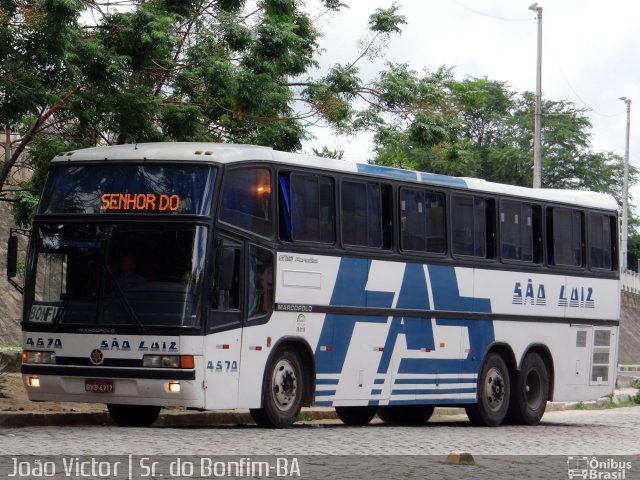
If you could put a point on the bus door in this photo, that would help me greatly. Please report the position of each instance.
(222, 343)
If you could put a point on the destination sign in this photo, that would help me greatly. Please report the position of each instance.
(140, 202)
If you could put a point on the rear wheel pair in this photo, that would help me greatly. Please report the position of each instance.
(519, 398)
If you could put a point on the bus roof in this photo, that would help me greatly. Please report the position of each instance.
(231, 153)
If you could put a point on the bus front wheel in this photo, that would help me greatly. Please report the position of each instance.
(282, 391)
(356, 415)
(493, 393)
(530, 391)
(133, 415)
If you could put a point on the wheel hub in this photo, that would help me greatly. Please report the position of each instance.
(495, 389)
(285, 385)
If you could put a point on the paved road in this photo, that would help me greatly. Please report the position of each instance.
(597, 432)
(324, 450)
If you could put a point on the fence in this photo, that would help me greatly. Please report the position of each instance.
(630, 281)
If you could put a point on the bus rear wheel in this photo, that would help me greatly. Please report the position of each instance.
(282, 391)
(406, 414)
(356, 415)
(493, 393)
(530, 391)
(133, 415)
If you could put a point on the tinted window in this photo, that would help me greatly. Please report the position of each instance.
(361, 214)
(307, 208)
(517, 231)
(261, 292)
(246, 200)
(601, 228)
(566, 236)
(473, 226)
(422, 221)
(129, 189)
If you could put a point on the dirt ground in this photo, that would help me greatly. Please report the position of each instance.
(13, 398)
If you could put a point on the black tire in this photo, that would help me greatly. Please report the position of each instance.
(493, 393)
(406, 414)
(529, 392)
(356, 415)
(133, 415)
(282, 391)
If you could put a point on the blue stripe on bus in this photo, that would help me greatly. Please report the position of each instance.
(323, 404)
(325, 393)
(374, 403)
(376, 391)
(418, 381)
(337, 330)
(327, 381)
(432, 391)
(378, 381)
(433, 401)
(350, 290)
(417, 331)
(410, 175)
(442, 180)
(388, 172)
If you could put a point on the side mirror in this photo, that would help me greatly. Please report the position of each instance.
(12, 256)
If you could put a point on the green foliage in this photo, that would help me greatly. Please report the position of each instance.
(481, 128)
(75, 74)
(387, 20)
(326, 152)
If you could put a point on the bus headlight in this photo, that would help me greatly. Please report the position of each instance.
(168, 361)
(30, 356)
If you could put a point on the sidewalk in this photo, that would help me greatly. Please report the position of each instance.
(17, 411)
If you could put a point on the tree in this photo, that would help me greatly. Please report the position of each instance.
(481, 128)
(152, 70)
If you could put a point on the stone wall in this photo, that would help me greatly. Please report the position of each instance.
(629, 341)
(10, 299)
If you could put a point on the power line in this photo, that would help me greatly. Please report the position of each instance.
(555, 61)
(489, 15)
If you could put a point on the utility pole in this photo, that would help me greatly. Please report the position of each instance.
(537, 141)
(625, 192)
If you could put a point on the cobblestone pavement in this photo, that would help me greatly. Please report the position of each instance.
(578, 432)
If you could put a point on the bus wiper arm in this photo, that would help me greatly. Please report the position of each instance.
(123, 299)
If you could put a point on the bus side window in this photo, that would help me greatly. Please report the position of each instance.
(520, 231)
(366, 213)
(473, 226)
(601, 229)
(246, 200)
(307, 210)
(226, 289)
(565, 240)
(261, 293)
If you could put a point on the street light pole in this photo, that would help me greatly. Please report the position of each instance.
(625, 192)
(537, 142)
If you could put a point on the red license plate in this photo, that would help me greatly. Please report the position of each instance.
(99, 386)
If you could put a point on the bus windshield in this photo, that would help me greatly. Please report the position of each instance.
(122, 189)
(113, 274)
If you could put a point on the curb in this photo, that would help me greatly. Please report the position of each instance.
(233, 417)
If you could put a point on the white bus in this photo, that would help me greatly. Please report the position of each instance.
(216, 276)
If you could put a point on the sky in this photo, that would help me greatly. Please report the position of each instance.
(590, 56)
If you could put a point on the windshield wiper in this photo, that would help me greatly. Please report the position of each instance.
(125, 303)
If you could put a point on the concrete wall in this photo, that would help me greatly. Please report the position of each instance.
(629, 342)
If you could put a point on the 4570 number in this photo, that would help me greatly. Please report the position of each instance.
(223, 366)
